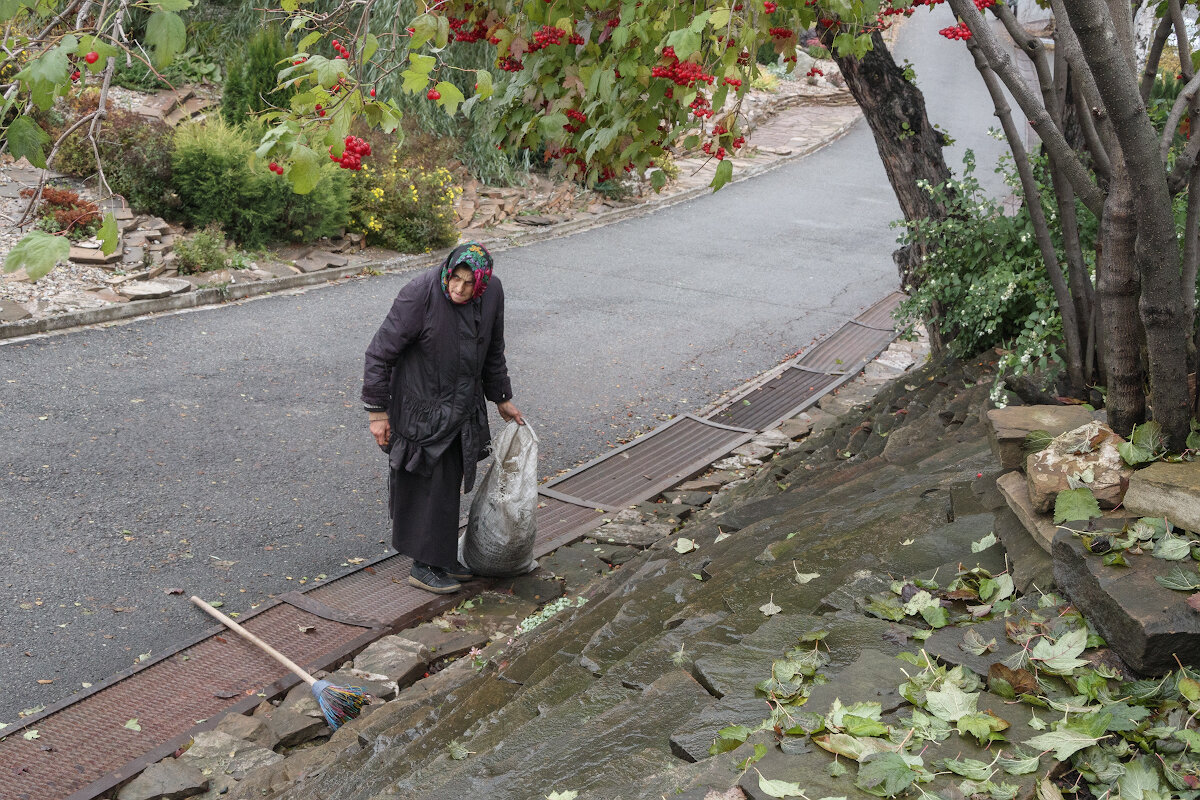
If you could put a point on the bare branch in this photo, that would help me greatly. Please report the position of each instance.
(1186, 98)
(1039, 118)
(1150, 72)
(1182, 43)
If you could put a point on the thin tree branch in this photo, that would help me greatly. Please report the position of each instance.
(1102, 144)
(1039, 118)
(1041, 228)
(1150, 72)
(1186, 98)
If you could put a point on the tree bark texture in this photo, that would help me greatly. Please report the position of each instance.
(1157, 248)
(1117, 306)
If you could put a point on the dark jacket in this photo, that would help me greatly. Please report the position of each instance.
(431, 364)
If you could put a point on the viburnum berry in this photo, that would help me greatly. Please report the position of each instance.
(984, 4)
(576, 39)
(372, 93)
(433, 94)
(770, 7)
(720, 154)
(92, 57)
(959, 31)
(814, 71)
(734, 82)
(355, 150)
(75, 75)
(780, 33)
(738, 142)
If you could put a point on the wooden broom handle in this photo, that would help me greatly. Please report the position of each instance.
(271, 651)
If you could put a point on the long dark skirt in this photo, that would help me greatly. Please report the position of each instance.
(425, 510)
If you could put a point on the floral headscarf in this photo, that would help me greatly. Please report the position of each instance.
(474, 256)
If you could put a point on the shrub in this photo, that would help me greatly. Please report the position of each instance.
(406, 208)
(985, 270)
(251, 79)
(204, 251)
(64, 211)
(215, 181)
(136, 153)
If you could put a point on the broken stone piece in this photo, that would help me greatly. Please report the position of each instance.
(1088, 449)
(1008, 427)
(1167, 490)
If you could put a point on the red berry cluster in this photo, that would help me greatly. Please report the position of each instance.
(462, 33)
(320, 111)
(780, 33)
(738, 142)
(720, 152)
(433, 94)
(770, 7)
(578, 116)
(734, 82)
(341, 50)
(510, 64)
(959, 31)
(814, 71)
(300, 60)
(979, 4)
(278, 170)
(701, 108)
(576, 39)
(75, 75)
(743, 58)
(352, 156)
(612, 23)
(545, 36)
(681, 73)
(719, 129)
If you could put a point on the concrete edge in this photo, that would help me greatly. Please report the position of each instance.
(211, 297)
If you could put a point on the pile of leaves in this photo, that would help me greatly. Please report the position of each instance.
(1112, 735)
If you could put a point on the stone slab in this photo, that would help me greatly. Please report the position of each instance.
(1041, 527)
(875, 677)
(292, 728)
(444, 643)
(1032, 569)
(1145, 623)
(221, 754)
(12, 312)
(89, 255)
(401, 660)
(1167, 490)
(1008, 427)
(166, 780)
(638, 535)
(249, 728)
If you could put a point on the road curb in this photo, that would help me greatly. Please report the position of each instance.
(211, 297)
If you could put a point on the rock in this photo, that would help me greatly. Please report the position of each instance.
(251, 729)
(1032, 568)
(150, 290)
(442, 643)
(292, 728)
(1145, 623)
(874, 677)
(12, 312)
(699, 485)
(169, 779)
(401, 660)
(377, 686)
(695, 499)
(108, 296)
(1167, 490)
(299, 700)
(637, 534)
(796, 427)
(753, 450)
(221, 754)
(1015, 490)
(88, 255)
(310, 264)
(1089, 447)
(772, 439)
(1008, 427)
(278, 270)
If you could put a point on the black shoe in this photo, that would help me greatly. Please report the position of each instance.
(432, 579)
(460, 572)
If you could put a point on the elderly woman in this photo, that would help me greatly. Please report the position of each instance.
(432, 363)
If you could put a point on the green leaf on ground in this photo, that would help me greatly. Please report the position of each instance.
(457, 751)
(1172, 548)
(1180, 579)
(133, 725)
(984, 543)
(951, 703)
(1133, 455)
(836, 769)
(968, 768)
(885, 775)
(760, 752)
(37, 252)
(1061, 655)
(729, 738)
(1075, 505)
(1019, 763)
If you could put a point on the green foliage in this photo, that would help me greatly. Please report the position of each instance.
(37, 252)
(405, 208)
(203, 251)
(985, 272)
(136, 154)
(1074, 505)
(252, 77)
(217, 181)
(137, 71)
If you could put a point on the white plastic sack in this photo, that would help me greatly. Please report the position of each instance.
(502, 526)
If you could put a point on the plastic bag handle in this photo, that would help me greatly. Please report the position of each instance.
(533, 433)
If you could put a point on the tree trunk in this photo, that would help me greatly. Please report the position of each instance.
(1161, 302)
(908, 144)
(1117, 291)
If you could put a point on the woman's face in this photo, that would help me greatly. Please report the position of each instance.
(462, 285)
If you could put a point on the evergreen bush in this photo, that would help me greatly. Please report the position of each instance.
(250, 82)
(215, 182)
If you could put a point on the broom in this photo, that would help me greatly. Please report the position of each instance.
(340, 704)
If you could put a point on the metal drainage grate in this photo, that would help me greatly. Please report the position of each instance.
(847, 349)
(777, 399)
(651, 463)
(880, 314)
(84, 748)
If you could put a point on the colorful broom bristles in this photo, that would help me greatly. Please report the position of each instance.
(340, 704)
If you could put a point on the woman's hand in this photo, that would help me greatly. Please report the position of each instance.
(510, 413)
(381, 429)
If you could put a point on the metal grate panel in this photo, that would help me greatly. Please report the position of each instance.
(558, 521)
(880, 314)
(651, 463)
(82, 743)
(846, 349)
(777, 399)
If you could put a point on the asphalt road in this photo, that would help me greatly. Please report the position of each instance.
(225, 452)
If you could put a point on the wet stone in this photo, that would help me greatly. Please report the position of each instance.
(875, 677)
(292, 728)
(444, 643)
(221, 754)
(1031, 566)
(252, 729)
(638, 535)
(381, 689)
(1008, 427)
(167, 780)
(945, 643)
(298, 700)
(401, 660)
(863, 583)
(706, 485)
(694, 499)
(536, 587)
(578, 564)
(1145, 623)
